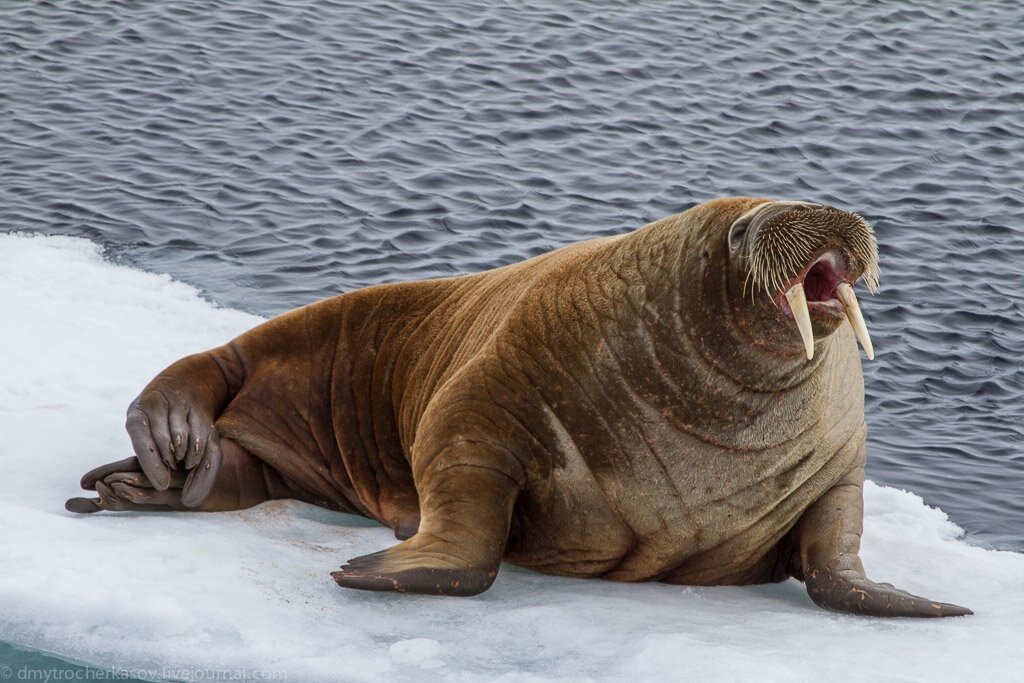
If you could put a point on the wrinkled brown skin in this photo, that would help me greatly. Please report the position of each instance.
(617, 408)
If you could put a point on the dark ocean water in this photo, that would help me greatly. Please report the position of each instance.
(274, 153)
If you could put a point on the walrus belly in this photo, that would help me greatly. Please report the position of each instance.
(674, 519)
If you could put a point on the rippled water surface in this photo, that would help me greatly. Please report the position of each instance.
(278, 152)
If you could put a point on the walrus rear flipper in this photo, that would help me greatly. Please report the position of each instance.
(466, 505)
(241, 482)
(181, 462)
(828, 538)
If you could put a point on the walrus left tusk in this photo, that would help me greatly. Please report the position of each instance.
(849, 300)
(798, 304)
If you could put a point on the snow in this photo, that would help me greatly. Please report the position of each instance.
(251, 591)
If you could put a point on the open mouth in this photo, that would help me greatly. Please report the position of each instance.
(821, 281)
(824, 289)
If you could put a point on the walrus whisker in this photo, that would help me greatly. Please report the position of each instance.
(786, 242)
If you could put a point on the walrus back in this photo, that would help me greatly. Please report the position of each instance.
(333, 391)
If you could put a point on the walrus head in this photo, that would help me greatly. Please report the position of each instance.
(795, 263)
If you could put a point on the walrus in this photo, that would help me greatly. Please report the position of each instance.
(682, 403)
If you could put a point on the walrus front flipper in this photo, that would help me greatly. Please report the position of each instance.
(466, 508)
(419, 565)
(828, 537)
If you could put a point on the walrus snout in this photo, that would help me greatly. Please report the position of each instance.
(807, 257)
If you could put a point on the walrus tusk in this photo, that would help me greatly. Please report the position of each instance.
(849, 300)
(798, 304)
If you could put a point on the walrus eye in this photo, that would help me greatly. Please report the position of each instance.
(737, 231)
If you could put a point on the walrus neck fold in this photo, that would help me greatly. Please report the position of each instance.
(755, 343)
(759, 354)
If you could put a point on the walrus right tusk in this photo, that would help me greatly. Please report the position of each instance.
(849, 300)
(798, 304)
